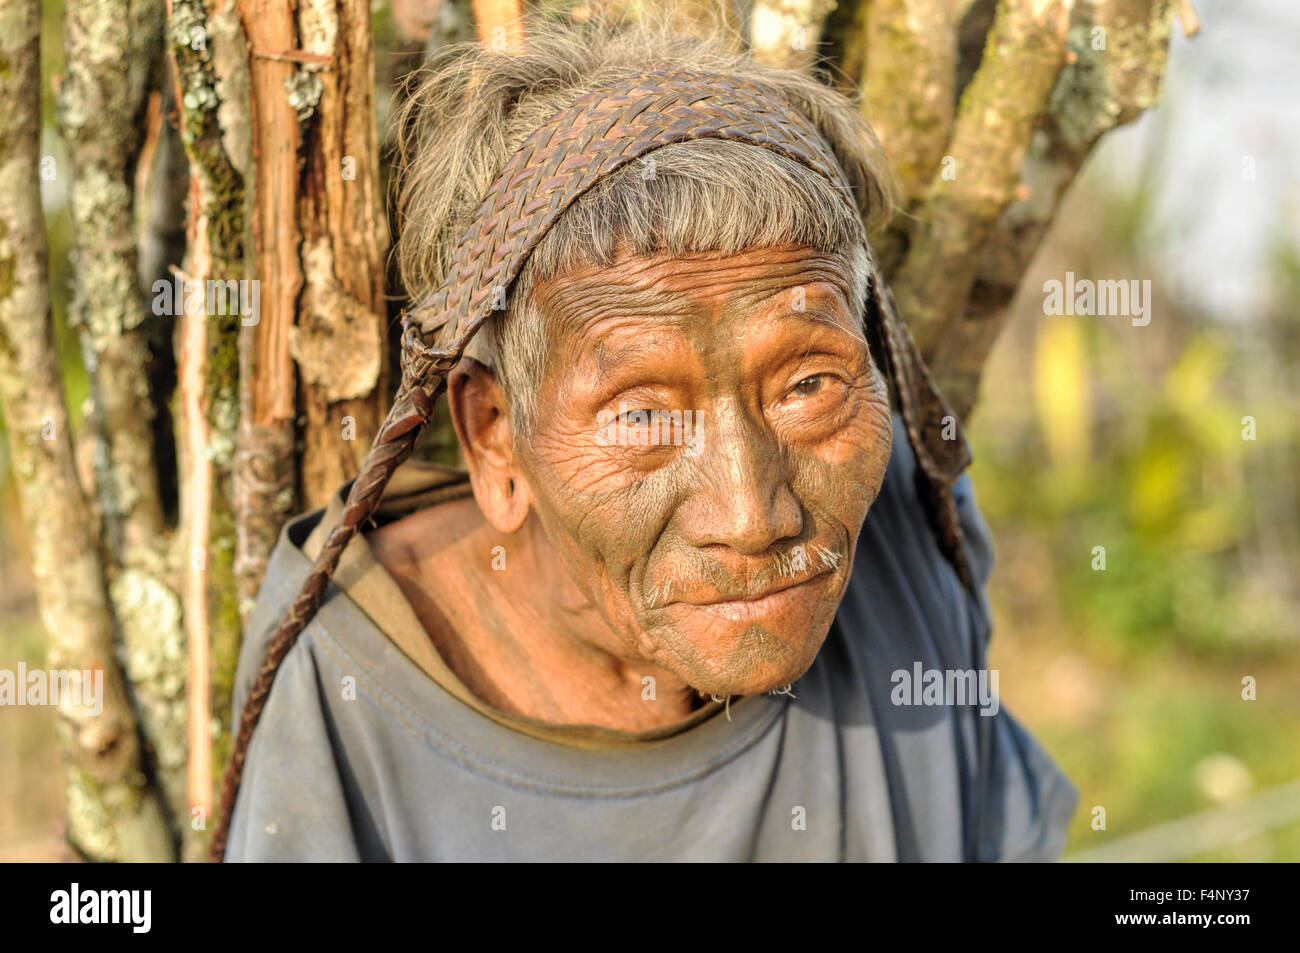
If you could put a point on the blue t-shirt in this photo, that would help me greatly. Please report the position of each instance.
(884, 750)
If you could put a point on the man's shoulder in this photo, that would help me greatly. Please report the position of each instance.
(286, 569)
(907, 624)
(899, 511)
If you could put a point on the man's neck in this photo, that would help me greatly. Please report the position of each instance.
(513, 626)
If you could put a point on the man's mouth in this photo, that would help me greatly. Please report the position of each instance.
(746, 606)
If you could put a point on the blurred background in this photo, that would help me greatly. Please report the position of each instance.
(1089, 432)
(1093, 432)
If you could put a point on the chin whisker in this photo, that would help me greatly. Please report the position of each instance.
(725, 701)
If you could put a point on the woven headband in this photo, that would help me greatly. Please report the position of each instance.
(599, 134)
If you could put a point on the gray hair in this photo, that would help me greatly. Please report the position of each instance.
(470, 108)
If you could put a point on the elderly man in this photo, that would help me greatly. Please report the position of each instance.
(701, 592)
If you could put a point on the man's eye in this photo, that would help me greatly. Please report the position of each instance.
(809, 386)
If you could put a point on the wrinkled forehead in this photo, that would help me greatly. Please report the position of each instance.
(664, 282)
(695, 292)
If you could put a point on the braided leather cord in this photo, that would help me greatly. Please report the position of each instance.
(600, 133)
(926, 418)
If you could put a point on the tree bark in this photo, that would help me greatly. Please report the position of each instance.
(265, 477)
(113, 58)
(999, 112)
(1037, 86)
(112, 50)
(321, 237)
(339, 336)
(113, 813)
(1111, 78)
(204, 46)
(498, 22)
(913, 46)
(787, 32)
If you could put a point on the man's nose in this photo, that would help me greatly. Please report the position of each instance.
(741, 495)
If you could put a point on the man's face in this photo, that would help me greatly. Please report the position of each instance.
(710, 433)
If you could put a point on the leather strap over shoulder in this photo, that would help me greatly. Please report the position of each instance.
(933, 430)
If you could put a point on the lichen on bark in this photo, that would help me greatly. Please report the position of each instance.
(113, 811)
(213, 86)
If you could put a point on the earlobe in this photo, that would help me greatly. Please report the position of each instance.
(481, 416)
(515, 507)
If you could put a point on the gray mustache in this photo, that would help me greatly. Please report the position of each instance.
(690, 575)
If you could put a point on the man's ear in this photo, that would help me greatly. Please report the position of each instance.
(481, 417)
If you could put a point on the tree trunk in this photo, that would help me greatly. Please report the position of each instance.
(1118, 50)
(339, 335)
(207, 49)
(113, 813)
(981, 177)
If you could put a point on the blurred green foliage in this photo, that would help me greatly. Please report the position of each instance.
(1176, 448)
